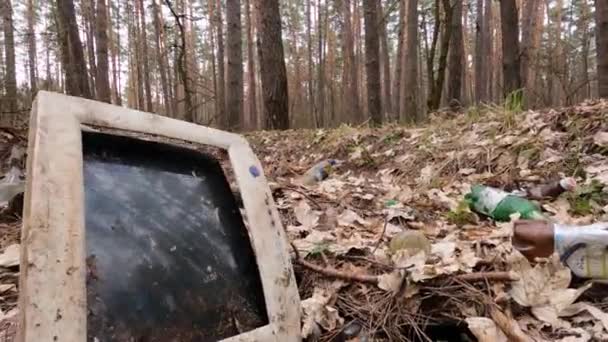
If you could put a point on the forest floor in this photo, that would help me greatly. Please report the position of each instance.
(394, 179)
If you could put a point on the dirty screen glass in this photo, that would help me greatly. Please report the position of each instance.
(168, 256)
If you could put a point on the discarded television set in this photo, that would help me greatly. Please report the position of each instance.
(126, 239)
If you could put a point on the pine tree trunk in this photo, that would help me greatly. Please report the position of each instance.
(139, 58)
(311, 96)
(31, 52)
(385, 63)
(220, 97)
(480, 51)
(88, 9)
(251, 96)
(438, 84)
(467, 78)
(410, 97)
(399, 61)
(585, 91)
(488, 50)
(295, 87)
(77, 83)
(116, 61)
(101, 39)
(160, 52)
(601, 24)
(529, 48)
(272, 65)
(456, 55)
(510, 47)
(557, 78)
(320, 67)
(350, 81)
(372, 63)
(234, 70)
(10, 79)
(144, 48)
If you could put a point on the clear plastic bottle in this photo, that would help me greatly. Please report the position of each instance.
(584, 249)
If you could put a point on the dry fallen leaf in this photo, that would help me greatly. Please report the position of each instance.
(544, 287)
(601, 138)
(316, 309)
(391, 282)
(592, 310)
(10, 256)
(307, 217)
(485, 330)
(349, 218)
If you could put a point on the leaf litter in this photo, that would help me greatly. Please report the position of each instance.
(393, 180)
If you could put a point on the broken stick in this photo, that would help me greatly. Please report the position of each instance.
(372, 279)
(334, 273)
(481, 276)
(509, 326)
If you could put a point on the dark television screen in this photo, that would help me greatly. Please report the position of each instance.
(168, 255)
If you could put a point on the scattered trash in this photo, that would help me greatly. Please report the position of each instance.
(412, 240)
(583, 248)
(480, 272)
(552, 190)
(318, 172)
(500, 205)
(151, 208)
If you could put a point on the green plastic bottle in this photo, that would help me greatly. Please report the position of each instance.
(500, 205)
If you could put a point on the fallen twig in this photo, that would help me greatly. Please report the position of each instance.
(508, 326)
(334, 273)
(381, 235)
(312, 200)
(372, 279)
(481, 276)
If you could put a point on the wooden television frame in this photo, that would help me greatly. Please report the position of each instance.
(52, 299)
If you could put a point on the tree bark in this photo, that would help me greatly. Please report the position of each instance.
(488, 47)
(436, 91)
(529, 47)
(272, 65)
(160, 52)
(116, 58)
(311, 95)
(182, 66)
(480, 51)
(350, 80)
(385, 63)
(144, 48)
(410, 97)
(101, 39)
(456, 55)
(88, 16)
(557, 59)
(220, 96)
(137, 60)
(601, 24)
(372, 65)
(321, 66)
(76, 80)
(31, 52)
(10, 79)
(399, 61)
(234, 70)
(251, 96)
(585, 91)
(510, 47)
